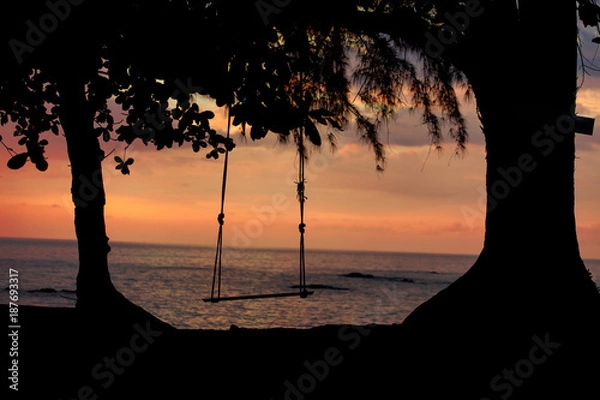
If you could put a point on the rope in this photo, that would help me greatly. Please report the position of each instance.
(302, 226)
(216, 280)
(215, 293)
(302, 199)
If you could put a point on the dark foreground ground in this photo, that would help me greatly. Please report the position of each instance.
(63, 356)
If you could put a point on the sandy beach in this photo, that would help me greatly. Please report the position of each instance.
(61, 356)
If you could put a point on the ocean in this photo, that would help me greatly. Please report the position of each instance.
(351, 287)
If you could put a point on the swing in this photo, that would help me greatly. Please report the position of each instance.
(215, 293)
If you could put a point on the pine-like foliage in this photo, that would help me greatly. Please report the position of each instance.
(304, 67)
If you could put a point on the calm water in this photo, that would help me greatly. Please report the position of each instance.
(170, 282)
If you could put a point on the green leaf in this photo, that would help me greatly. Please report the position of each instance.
(119, 159)
(18, 161)
(129, 161)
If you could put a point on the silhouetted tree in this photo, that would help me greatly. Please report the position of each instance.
(525, 85)
(65, 62)
(62, 63)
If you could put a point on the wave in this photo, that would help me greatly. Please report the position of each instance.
(51, 290)
(47, 290)
(360, 275)
(319, 286)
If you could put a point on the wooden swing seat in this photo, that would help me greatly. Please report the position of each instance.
(303, 295)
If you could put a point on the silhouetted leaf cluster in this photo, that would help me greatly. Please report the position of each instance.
(589, 13)
(123, 166)
(26, 105)
(306, 73)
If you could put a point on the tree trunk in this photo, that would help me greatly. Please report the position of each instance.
(527, 118)
(530, 137)
(529, 280)
(525, 84)
(94, 285)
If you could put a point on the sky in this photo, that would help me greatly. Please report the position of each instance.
(423, 202)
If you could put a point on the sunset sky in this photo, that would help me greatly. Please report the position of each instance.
(421, 203)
